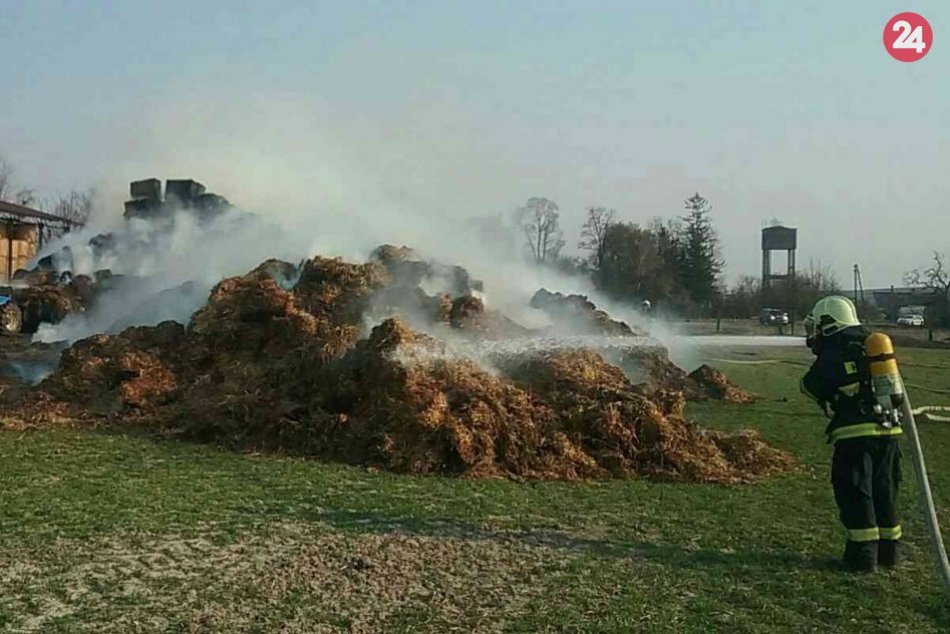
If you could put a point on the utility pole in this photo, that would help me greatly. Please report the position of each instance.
(858, 287)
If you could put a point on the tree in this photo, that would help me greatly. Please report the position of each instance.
(668, 238)
(701, 267)
(820, 277)
(744, 299)
(25, 196)
(6, 179)
(568, 265)
(75, 206)
(799, 294)
(936, 277)
(539, 219)
(632, 269)
(9, 192)
(594, 235)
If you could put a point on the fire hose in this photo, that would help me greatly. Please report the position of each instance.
(927, 501)
(893, 403)
(927, 409)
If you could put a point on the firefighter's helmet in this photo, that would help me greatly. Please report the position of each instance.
(832, 314)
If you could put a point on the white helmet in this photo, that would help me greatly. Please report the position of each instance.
(830, 315)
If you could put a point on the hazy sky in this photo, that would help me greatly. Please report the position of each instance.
(772, 109)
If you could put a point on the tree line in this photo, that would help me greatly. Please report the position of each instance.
(676, 263)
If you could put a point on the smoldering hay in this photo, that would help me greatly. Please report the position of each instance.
(150, 267)
(356, 363)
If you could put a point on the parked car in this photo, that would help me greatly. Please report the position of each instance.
(773, 317)
(910, 320)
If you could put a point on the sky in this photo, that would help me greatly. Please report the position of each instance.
(789, 110)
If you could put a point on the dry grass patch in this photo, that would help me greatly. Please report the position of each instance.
(290, 577)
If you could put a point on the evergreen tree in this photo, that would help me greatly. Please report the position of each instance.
(700, 266)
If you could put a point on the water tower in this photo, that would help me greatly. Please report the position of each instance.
(778, 238)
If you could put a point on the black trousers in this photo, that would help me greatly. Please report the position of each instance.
(865, 475)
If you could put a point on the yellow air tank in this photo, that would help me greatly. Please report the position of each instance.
(886, 383)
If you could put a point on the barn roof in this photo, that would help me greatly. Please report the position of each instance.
(19, 211)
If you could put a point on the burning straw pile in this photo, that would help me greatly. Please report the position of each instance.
(279, 360)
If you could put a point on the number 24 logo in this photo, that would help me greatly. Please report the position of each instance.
(910, 37)
(914, 37)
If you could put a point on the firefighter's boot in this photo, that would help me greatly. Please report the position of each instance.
(860, 556)
(888, 552)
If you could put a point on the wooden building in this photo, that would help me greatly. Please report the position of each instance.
(23, 231)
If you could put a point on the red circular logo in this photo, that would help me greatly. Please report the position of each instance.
(908, 37)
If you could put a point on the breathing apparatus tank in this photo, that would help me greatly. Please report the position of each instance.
(886, 384)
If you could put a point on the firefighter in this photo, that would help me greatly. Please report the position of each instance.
(865, 468)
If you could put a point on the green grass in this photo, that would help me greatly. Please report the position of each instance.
(107, 532)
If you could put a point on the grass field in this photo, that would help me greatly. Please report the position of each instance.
(111, 533)
(909, 334)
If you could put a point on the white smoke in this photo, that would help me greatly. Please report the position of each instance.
(318, 182)
(32, 372)
(163, 269)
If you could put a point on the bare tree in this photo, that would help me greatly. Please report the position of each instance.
(25, 196)
(539, 219)
(797, 295)
(6, 179)
(744, 299)
(9, 192)
(935, 277)
(594, 234)
(75, 206)
(820, 277)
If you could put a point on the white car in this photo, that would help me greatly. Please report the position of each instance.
(910, 320)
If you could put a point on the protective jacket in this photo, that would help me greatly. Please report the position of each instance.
(839, 380)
